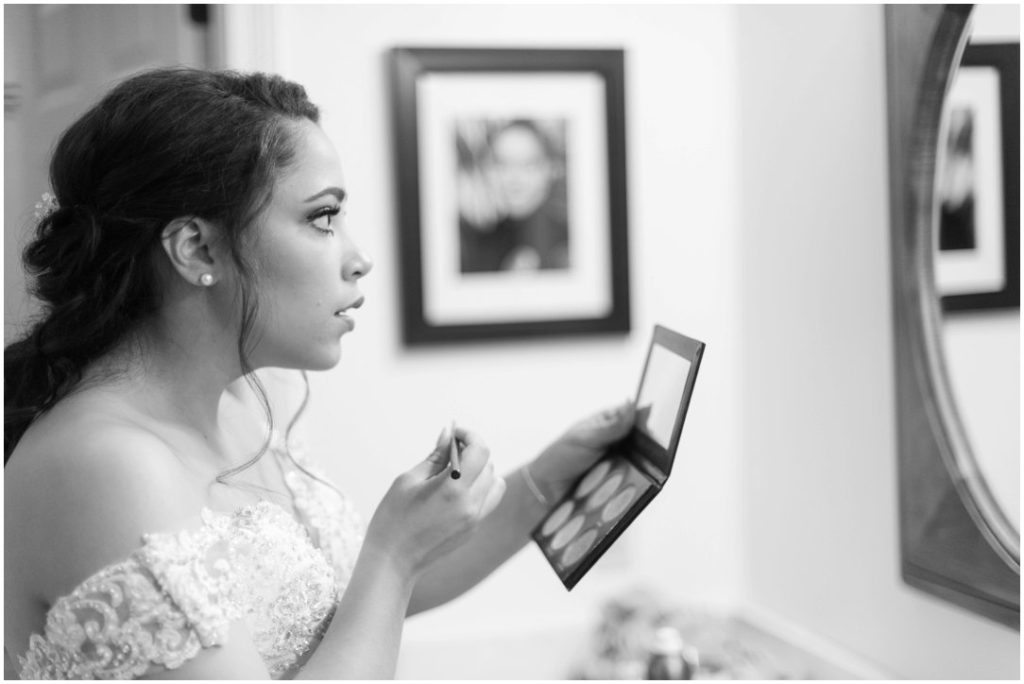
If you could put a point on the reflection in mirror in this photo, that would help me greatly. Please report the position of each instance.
(977, 268)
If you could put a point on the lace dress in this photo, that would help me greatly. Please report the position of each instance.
(178, 593)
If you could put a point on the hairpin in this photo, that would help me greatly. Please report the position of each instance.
(46, 206)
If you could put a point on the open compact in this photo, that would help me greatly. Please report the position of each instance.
(609, 496)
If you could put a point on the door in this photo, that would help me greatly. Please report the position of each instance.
(58, 61)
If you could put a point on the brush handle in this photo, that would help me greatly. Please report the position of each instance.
(453, 455)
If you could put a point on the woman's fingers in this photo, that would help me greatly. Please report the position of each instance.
(467, 436)
(436, 461)
(484, 488)
(473, 454)
(619, 420)
(607, 425)
(478, 487)
(444, 438)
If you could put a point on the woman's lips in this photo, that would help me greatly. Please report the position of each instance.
(347, 320)
(345, 317)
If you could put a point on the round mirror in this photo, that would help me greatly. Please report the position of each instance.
(958, 497)
(976, 266)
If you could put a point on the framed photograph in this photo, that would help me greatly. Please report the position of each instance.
(512, 192)
(977, 263)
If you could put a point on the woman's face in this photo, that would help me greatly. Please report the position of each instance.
(522, 170)
(307, 266)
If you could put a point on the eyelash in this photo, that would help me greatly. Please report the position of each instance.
(330, 213)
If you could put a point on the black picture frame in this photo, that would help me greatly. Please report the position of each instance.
(1003, 156)
(451, 289)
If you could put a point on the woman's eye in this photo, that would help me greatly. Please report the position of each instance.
(321, 219)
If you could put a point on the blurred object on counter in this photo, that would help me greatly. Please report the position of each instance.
(719, 645)
(670, 657)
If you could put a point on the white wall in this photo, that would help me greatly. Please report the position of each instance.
(819, 443)
(383, 407)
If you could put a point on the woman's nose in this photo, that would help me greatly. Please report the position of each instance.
(357, 263)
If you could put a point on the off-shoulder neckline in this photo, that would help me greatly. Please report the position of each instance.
(244, 509)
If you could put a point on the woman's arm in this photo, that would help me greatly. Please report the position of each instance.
(88, 510)
(364, 635)
(500, 536)
(507, 530)
(424, 516)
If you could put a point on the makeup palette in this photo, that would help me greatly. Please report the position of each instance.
(612, 493)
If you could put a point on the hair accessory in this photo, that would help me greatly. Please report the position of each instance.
(46, 206)
(532, 486)
(206, 279)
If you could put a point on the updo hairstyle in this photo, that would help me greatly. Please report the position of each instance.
(163, 144)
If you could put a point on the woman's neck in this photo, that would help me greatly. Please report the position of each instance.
(170, 374)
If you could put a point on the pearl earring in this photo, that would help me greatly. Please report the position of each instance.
(206, 279)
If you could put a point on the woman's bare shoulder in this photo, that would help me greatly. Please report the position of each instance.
(81, 488)
(88, 440)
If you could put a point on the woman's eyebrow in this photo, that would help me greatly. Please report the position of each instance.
(337, 192)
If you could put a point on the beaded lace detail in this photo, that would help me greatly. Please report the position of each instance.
(339, 525)
(179, 592)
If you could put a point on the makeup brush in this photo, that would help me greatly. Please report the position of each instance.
(454, 456)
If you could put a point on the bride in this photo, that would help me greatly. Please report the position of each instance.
(161, 519)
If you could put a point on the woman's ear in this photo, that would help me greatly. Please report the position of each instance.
(191, 245)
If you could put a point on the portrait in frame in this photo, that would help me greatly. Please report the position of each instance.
(512, 192)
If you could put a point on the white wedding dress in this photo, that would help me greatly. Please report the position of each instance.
(178, 593)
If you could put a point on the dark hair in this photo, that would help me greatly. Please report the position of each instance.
(163, 144)
(536, 128)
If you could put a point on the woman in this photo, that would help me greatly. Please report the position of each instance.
(158, 523)
(526, 192)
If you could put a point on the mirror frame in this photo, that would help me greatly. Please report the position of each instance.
(953, 541)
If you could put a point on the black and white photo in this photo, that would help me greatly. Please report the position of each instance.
(513, 221)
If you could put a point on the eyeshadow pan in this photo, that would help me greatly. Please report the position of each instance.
(556, 519)
(592, 479)
(605, 491)
(579, 547)
(568, 532)
(619, 504)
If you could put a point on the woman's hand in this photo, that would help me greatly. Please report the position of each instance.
(559, 465)
(426, 514)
